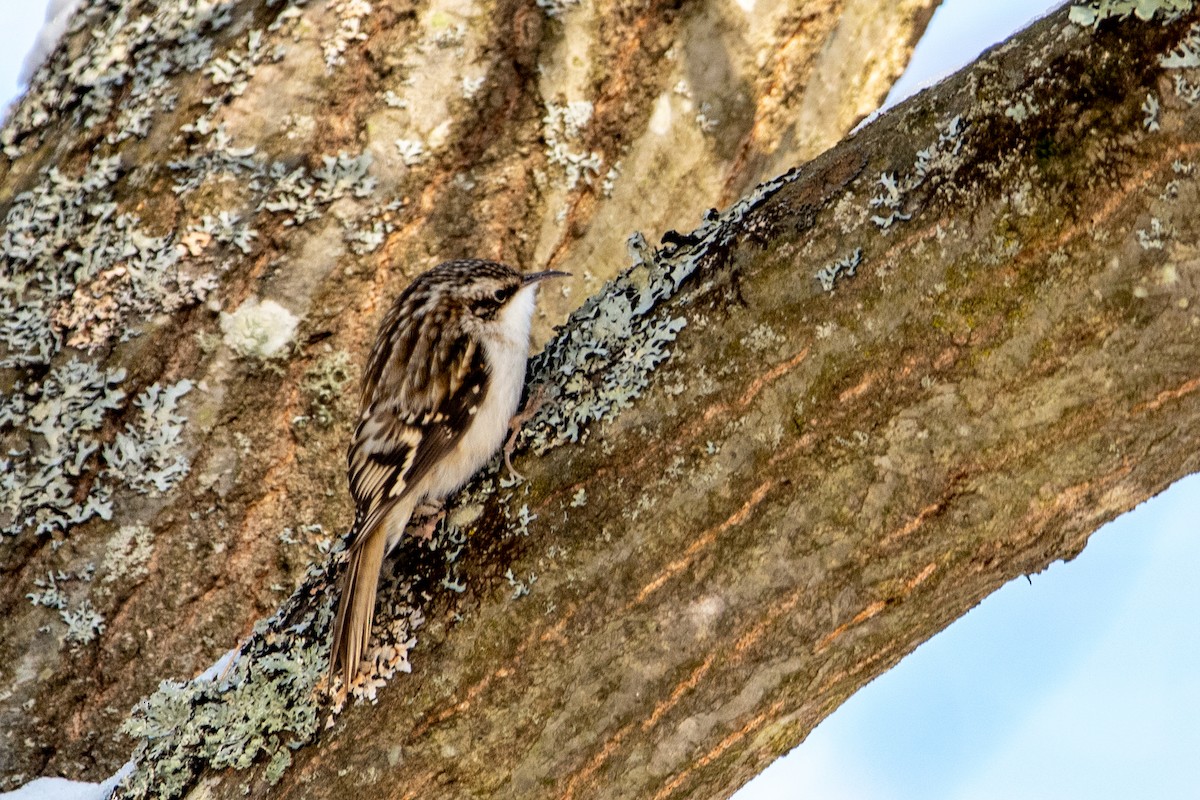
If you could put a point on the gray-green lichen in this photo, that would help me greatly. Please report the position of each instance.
(1187, 54)
(1150, 109)
(147, 454)
(325, 383)
(299, 194)
(83, 622)
(562, 127)
(127, 554)
(257, 705)
(846, 266)
(609, 349)
(762, 338)
(1096, 11)
(259, 329)
(47, 592)
(76, 270)
(296, 193)
(934, 165)
(60, 420)
(412, 151)
(350, 14)
(227, 228)
(122, 74)
(1184, 63)
(255, 709)
(51, 431)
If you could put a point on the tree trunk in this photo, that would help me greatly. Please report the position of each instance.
(776, 454)
(184, 181)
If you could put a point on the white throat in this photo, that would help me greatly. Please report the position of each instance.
(506, 346)
(513, 321)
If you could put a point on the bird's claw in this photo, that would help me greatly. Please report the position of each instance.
(537, 399)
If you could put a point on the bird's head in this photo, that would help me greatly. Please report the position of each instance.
(493, 288)
(490, 291)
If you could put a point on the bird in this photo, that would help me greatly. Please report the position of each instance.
(440, 389)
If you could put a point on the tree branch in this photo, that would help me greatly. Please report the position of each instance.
(779, 454)
(207, 205)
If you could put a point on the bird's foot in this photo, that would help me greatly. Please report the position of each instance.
(537, 399)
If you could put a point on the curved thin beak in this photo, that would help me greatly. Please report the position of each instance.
(534, 277)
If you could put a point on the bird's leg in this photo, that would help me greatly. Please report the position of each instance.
(537, 399)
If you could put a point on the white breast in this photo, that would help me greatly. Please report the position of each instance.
(506, 347)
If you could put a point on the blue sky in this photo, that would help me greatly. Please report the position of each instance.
(1082, 684)
(20, 21)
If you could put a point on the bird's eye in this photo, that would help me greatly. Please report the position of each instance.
(502, 294)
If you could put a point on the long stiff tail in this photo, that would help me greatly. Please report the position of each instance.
(356, 609)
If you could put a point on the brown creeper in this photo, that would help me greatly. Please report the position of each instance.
(442, 383)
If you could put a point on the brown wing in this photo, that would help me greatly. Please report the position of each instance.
(418, 394)
(412, 358)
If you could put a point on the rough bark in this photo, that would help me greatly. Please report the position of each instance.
(811, 482)
(169, 473)
(778, 490)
